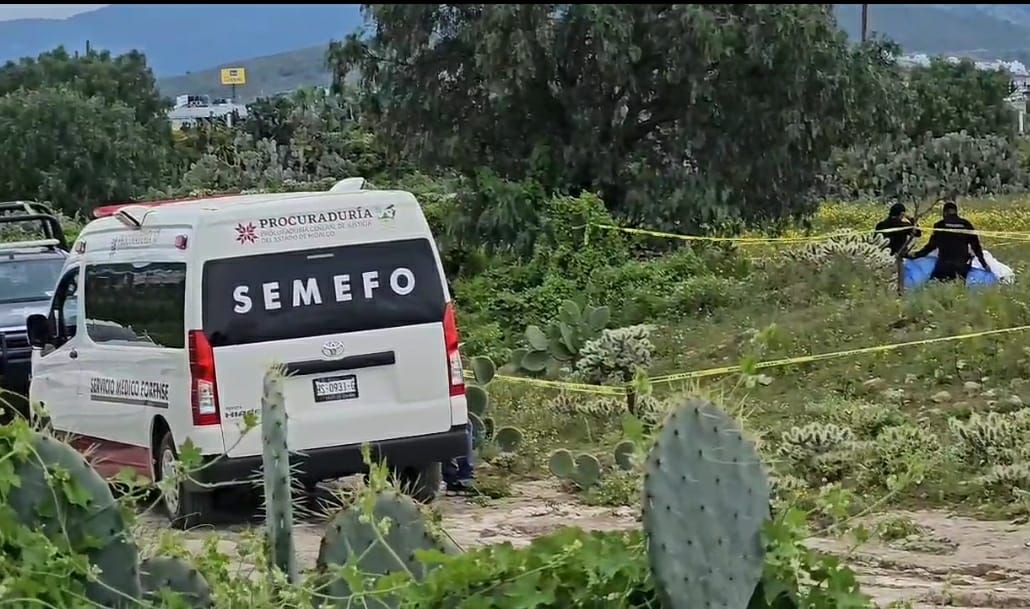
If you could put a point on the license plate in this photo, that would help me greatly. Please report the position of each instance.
(332, 388)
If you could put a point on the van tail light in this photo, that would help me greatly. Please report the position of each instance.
(451, 339)
(203, 390)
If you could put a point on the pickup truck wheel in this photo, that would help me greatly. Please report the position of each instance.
(421, 483)
(186, 508)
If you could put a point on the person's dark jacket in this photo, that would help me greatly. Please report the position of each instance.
(953, 247)
(896, 239)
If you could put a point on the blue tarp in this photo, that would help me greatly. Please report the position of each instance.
(917, 272)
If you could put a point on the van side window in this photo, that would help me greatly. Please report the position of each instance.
(136, 304)
(63, 312)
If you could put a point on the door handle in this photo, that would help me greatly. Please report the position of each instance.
(73, 354)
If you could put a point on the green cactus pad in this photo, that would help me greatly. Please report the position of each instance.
(562, 464)
(348, 538)
(478, 429)
(178, 576)
(568, 337)
(476, 399)
(508, 439)
(588, 471)
(277, 477)
(536, 338)
(484, 370)
(584, 470)
(60, 494)
(517, 355)
(597, 318)
(624, 455)
(706, 498)
(570, 313)
(536, 360)
(560, 352)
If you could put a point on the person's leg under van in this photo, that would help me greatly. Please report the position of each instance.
(459, 472)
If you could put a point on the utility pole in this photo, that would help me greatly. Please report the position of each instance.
(865, 21)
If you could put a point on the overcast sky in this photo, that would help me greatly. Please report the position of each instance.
(46, 11)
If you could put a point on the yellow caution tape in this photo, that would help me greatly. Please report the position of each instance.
(1016, 236)
(805, 359)
(619, 390)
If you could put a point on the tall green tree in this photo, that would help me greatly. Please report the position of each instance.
(77, 152)
(678, 114)
(125, 79)
(951, 96)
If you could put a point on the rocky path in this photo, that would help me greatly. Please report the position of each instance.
(953, 562)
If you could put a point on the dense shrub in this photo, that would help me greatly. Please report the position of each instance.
(954, 164)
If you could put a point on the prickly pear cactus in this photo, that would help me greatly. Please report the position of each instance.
(90, 520)
(583, 470)
(177, 576)
(508, 439)
(706, 498)
(349, 537)
(476, 397)
(560, 341)
(624, 452)
(276, 464)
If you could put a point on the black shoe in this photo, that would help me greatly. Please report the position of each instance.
(462, 487)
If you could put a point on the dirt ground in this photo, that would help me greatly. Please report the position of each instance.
(954, 562)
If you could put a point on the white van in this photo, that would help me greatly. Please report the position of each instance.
(167, 315)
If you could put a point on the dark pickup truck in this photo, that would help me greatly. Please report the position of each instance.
(29, 269)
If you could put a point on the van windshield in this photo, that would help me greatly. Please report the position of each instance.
(28, 280)
(281, 296)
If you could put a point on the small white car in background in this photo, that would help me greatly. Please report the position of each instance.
(181, 307)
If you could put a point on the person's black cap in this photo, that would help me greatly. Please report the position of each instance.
(950, 206)
(897, 209)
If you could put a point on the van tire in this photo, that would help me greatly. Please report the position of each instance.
(191, 508)
(421, 483)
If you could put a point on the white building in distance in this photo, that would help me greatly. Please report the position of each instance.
(191, 109)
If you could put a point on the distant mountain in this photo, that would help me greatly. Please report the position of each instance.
(1018, 14)
(987, 31)
(282, 46)
(180, 38)
(266, 76)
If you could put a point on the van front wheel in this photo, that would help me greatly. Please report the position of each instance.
(421, 483)
(186, 508)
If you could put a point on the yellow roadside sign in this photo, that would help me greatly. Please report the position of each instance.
(234, 76)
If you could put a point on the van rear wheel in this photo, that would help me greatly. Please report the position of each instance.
(186, 508)
(421, 483)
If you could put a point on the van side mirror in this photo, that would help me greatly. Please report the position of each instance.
(38, 327)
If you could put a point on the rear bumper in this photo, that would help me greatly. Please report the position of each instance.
(339, 461)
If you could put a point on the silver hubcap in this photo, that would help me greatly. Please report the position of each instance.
(171, 490)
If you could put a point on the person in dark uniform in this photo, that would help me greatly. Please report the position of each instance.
(953, 249)
(896, 219)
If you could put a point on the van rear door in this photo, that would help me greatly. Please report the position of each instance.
(359, 328)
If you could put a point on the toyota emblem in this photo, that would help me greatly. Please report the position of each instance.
(332, 349)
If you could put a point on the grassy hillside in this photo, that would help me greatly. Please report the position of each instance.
(265, 76)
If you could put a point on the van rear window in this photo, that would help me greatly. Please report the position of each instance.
(287, 295)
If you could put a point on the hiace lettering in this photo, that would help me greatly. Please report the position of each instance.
(308, 292)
